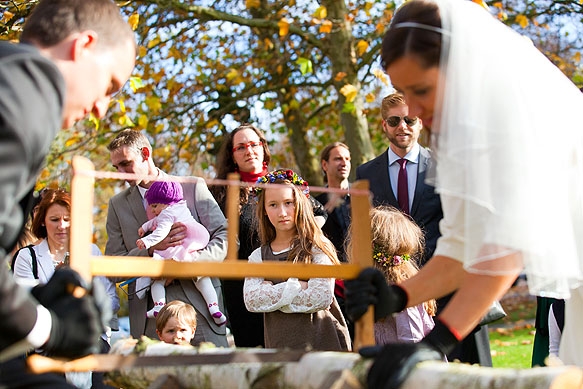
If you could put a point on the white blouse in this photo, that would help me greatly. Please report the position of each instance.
(288, 296)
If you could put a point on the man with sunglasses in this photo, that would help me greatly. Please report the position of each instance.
(423, 205)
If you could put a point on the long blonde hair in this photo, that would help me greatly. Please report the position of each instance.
(394, 234)
(308, 235)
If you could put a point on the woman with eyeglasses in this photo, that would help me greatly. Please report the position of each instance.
(512, 193)
(245, 151)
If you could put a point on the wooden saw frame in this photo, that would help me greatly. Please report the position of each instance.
(82, 193)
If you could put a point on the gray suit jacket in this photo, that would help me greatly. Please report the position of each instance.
(126, 214)
(426, 207)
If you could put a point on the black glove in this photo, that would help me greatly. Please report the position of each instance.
(370, 287)
(76, 322)
(394, 362)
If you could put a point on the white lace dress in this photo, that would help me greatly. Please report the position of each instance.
(294, 317)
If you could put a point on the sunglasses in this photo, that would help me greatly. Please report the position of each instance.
(394, 121)
(241, 147)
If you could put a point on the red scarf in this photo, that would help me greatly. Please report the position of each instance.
(252, 177)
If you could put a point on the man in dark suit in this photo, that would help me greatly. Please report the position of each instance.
(382, 172)
(131, 152)
(335, 162)
(424, 205)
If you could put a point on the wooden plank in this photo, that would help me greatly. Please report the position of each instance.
(141, 266)
(82, 191)
(233, 217)
(39, 364)
(362, 256)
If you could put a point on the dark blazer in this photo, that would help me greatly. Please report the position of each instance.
(426, 211)
(333, 228)
(426, 208)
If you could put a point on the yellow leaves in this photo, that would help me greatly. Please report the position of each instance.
(339, 76)
(153, 42)
(269, 105)
(481, 3)
(380, 27)
(367, 7)
(232, 74)
(136, 83)
(6, 16)
(133, 21)
(122, 106)
(70, 142)
(381, 76)
(577, 56)
(268, 44)
(305, 65)
(125, 121)
(349, 92)
(326, 27)
(143, 121)
(94, 120)
(283, 25)
(321, 12)
(522, 20)
(361, 47)
(252, 4)
(142, 51)
(212, 123)
(234, 77)
(279, 69)
(370, 97)
(153, 103)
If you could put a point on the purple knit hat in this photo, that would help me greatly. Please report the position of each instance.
(161, 192)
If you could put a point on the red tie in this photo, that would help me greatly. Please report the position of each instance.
(403, 186)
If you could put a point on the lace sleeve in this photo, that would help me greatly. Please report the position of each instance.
(317, 296)
(262, 296)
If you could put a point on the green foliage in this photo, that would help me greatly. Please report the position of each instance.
(202, 70)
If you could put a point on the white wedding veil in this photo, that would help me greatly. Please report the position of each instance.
(509, 148)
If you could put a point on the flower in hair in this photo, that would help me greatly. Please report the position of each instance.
(386, 260)
(289, 175)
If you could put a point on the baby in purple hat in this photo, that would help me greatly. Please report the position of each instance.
(165, 199)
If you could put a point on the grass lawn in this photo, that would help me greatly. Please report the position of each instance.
(512, 338)
(512, 347)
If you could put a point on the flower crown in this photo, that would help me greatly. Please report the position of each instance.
(385, 260)
(289, 175)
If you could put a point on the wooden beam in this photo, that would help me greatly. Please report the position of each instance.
(141, 266)
(233, 218)
(361, 255)
(82, 191)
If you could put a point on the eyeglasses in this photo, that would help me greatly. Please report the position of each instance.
(242, 147)
(394, 121)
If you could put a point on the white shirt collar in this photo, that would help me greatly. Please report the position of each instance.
(411, 156)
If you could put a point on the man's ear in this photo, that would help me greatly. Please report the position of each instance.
(324, 165)
(82, 42)
(145, 152)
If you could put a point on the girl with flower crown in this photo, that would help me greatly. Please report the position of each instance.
(397, 244)
(245, 151)
(297, 313)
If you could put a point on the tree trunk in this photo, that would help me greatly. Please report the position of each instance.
(343, 57)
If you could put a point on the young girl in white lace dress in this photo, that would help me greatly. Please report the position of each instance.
(298, 314)
(397, 244)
